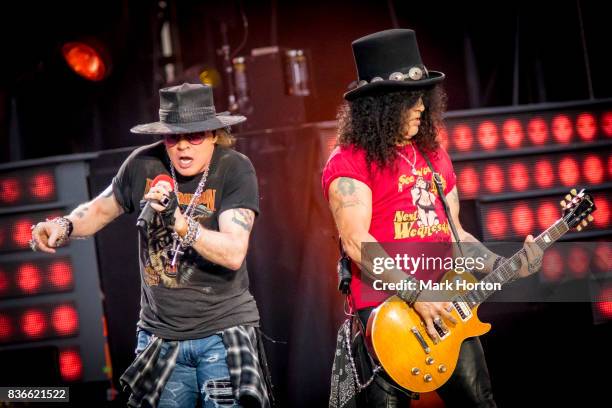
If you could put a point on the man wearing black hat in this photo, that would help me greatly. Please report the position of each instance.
(378, 182)
(198, 335)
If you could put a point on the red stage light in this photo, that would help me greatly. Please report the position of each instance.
(606, 123)
(537, 129)
(469, 181)
(552, 265)
(463, 138)
(544, 174)
(496, 223)
(71, 366)
(6, 328)
(65, 320)
(569, 172)
(60, 274)
(85, 60)
(10, 190)
(593, 169)
(602, 213)
(4, 282)
(578, 262)
(562, 128)
(610, 166)
(513, 133)
(22, 232)
(28, 278)
(548, 213)
(604, 303)
(33, 323)
(522, 219)
(443, 137)
(487, 135)
(586, 126)
(518, 176)
(494, 180)
(42, 186)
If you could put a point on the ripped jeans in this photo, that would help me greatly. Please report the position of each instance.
(200, 372)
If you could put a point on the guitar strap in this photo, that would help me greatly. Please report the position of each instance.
(438, 183)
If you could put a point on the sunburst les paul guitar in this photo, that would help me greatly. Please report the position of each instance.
(398, 337)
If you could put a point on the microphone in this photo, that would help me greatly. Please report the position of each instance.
(148, 212)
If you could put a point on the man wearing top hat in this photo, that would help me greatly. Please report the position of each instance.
(375, 181)
(198, 335)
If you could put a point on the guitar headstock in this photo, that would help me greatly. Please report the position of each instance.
(577, 209)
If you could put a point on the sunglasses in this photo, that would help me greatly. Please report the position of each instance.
(193, 138)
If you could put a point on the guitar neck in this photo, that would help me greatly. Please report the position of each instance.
(508, 270)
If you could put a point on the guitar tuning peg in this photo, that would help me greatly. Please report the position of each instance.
(590, 218)
(579, 228)
(573, 191)
(585, 223)
(563, 203)
(568, 197)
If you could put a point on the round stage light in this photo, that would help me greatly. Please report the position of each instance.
(537, 130)
(85, 60)
(496, 223)
(487, 135)
(71, 365)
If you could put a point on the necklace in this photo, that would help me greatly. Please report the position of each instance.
(176, 244)
(414, 171)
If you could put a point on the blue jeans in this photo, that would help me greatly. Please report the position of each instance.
(200, 372)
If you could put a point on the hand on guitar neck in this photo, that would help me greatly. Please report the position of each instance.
(429, 309)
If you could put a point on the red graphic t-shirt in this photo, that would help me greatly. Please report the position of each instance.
(405, 206)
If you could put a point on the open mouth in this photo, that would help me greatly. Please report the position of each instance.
(185, 161)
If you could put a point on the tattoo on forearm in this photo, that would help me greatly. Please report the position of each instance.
(80, 211)
(244, 218)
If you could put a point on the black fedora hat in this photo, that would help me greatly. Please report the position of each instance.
(389, 61)
(187, 108)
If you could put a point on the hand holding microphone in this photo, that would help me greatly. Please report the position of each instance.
(160, 198)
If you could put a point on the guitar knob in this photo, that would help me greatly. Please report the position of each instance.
(427, 377)
(415, 371)
(442, 368)
(590, 218)
(573, 191)
(568, 197)
(429, 360)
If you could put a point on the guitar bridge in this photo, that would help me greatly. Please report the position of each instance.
(420, 339)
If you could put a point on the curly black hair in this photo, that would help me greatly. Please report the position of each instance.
(375, 123)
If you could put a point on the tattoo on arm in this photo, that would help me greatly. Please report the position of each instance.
(243, 217)
(80, 211)
(346, 189)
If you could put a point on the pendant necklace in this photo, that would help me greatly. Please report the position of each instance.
(176, 244)
(414, 170)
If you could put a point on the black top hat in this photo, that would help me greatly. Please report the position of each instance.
(389, 61)
(187, 108)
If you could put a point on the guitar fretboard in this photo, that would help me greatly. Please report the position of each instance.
(508, 271)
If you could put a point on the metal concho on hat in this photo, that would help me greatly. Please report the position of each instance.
(415, 73)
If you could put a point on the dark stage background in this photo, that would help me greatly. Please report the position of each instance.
(495, 54)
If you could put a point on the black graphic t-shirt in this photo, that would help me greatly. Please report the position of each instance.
(200, 297)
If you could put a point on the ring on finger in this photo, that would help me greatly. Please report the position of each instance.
(438, 321)
(33, 245)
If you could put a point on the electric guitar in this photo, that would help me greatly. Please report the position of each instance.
(398, 337)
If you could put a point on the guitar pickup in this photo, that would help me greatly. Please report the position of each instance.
(420, 339)
(464, 311)
(441, 332)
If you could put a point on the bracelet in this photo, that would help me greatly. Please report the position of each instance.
(407, 295)
(193, 233)
(67, 228)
